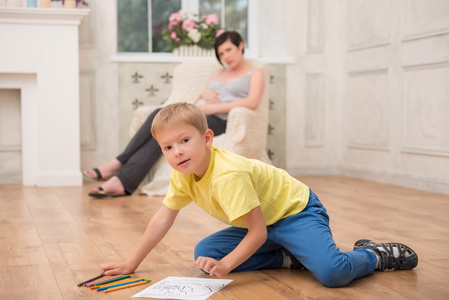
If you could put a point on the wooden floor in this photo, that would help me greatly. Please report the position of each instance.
(53, 238)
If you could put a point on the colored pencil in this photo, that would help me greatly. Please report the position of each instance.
(113, 283)
(92, 279)
(102, 280)
(117, 285)
(113, 279)
(126, 286)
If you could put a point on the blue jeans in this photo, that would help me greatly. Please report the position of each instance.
(307, 236)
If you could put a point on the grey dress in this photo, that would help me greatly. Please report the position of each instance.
(234, 89)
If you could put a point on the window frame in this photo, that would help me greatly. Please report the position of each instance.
(251, 46)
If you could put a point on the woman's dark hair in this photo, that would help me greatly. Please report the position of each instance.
(232, 36)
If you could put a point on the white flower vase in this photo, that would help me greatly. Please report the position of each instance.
(193, 51)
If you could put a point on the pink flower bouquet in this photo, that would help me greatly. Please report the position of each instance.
(183, 29)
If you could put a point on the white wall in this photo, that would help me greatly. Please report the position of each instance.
(372, 99)
(272, 24)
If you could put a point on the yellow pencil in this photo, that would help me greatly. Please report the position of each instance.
(126, 286)
(114, 283)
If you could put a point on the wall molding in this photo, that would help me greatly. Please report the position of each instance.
(361, 146)
(426, 35)
(364, 72)
(425, 66)
(354, 48)
(424, 151)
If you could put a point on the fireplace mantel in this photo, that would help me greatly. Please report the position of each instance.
(39, 55)
(56, 16)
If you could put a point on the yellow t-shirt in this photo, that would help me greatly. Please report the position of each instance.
(234, 185)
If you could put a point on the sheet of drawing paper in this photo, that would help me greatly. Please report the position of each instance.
(187, 288)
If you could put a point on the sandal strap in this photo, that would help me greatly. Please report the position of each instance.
(98, 173)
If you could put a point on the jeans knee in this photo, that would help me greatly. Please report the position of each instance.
(203, 248)
(333, 277)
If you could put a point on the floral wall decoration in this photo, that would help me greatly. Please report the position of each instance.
(183, 29)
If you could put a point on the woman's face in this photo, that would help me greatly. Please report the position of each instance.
(230, 54)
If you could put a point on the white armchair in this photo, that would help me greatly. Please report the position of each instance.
(246, 129)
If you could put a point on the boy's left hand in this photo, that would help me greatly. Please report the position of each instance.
(211, 266)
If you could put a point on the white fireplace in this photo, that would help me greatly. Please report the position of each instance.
(39, 56)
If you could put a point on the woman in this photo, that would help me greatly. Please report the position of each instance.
(237, 84)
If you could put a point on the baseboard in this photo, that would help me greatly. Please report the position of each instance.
(316, 169)
(407, 180)
(59, 178)
(10, 179)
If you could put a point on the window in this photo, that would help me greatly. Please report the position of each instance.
(232, 14)
(140, 22)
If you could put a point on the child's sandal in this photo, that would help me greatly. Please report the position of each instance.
(404, 258)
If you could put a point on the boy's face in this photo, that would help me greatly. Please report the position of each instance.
(185, 148)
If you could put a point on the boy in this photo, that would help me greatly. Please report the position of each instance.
(277, 221)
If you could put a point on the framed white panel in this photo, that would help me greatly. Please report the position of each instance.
(87, 29)
(376, 58)
(425, 126)
(10, 120)
(369, 23)
(88, 128)
(10, 136)
(315, 26)
(424, 18)
(314, 110)
(369, 110)
(432, 49)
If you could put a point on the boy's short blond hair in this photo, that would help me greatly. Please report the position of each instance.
(180, 112)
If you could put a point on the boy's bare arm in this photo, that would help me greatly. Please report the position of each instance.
(254, 239)
(157, 228)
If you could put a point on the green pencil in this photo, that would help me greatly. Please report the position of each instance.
(114, 279)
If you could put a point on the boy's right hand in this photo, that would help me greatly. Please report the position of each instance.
(116, 268)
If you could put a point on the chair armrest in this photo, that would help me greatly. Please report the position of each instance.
(139, 117)
(246, 133)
